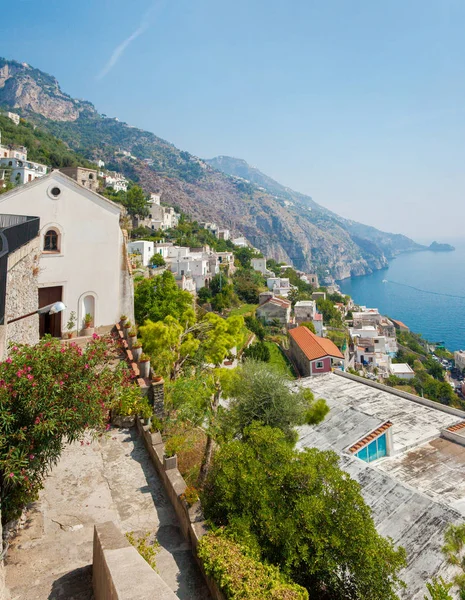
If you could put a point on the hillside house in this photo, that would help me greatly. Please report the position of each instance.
(459, 358)
(159, 217)
(259, 264)
(144, 248)
(86, 177)
(273, 309)
(83, 251)
(16, 167)
(312, 354)
(402, 370)
(400, 326)
(226, 260)
(117, 181)
(304, 310)
(318, 323)
(319, 296)
(280, 286)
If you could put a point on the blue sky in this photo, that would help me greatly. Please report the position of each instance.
(360, 104)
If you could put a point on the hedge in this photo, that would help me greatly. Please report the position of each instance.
(242, 577)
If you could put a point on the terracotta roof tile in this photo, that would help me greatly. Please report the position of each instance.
(314, 346)
(371, 436)
(457, 426)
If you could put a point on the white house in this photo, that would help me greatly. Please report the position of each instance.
(117, 181)
(259, 264)
(20, 169)
(144, 248)
(402, 370)
(279, 285)
(83, 250)
(304, 310)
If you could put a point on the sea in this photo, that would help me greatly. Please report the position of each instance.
(424, 290)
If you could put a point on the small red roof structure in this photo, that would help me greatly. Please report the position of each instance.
(314, 346)
(318, 317)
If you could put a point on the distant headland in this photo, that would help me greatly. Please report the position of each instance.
(435, 247)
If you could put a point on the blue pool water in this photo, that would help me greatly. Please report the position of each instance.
(425, 290)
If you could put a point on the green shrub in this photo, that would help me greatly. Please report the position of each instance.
(132, 402)
(173, 445)
(240, 576)
(257, 351)
(147, 550)
(191, 495)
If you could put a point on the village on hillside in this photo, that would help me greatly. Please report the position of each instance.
(180, 414)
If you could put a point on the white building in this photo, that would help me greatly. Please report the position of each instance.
(259, 264)
(459, 357)
(223, 234)
(144, 248)
(402, 370)
(117, 181)
(20, 169)
(240, 242)
(82, 247)
(279, 285)
(304, 310)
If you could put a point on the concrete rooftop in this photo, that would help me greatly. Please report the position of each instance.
(416, 492)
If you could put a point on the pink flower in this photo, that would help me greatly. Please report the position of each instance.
(14, 348)
(95, 336)
(31, 457)
(108, 427)
(37, 421)
(29, 369)
(30, 377)
(11, 475)
(19, 373)
(86, 366)
(9, 361)
(63, 350)
(61, 382)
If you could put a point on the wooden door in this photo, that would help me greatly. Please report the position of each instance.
(50, 323)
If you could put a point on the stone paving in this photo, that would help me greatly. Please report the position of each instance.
(101, 480)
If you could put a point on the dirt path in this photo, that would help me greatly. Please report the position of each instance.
(111, 479)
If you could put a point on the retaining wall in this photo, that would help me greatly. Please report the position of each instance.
(191, 520)
(120, 573)
(385, 388)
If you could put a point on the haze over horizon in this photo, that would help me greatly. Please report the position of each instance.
(359, 106)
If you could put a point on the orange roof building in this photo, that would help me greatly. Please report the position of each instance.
(312, 354)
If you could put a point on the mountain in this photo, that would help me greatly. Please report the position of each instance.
(283, 224)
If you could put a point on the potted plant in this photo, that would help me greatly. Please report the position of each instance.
(126, 327)
(136, 350)
(170, 457)
(70, 325)
(88, 325)
(157, 378)
(130, 403)
(144, 365)
(132, 337)
(122, 320)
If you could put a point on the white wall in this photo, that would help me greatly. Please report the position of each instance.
(144, 248)
(91, 260)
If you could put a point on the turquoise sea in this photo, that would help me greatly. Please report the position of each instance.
(425, 290)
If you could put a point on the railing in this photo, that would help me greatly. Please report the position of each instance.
(15, 231)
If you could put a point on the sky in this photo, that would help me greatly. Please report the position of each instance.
(359, 104)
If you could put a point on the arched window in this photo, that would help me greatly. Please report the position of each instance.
(51, 241)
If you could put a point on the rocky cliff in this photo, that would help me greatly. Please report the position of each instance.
(284, 224)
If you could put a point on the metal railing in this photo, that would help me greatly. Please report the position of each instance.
(15, 231)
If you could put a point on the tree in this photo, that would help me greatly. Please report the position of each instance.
(454, 551)
(136, 202)
(157, 260)
(309, 325)
(255, 326)
(244, 256)
(258, 351)
(261, 393)
(438, 590)
(303, 514)
(169, 344)
(248, 284)
(331, 315)
(49, 395)
(158, 297)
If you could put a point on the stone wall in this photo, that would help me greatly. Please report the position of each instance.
(120, 573)
(191, 519)
(299, 358)
(21, 297)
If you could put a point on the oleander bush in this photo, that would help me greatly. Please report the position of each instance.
(241, 576)
(50, 394)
